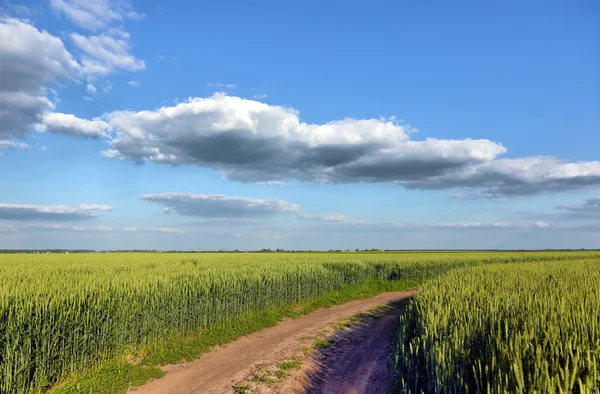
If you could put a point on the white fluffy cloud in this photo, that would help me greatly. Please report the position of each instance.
(31, 61)
(34, 60)
(251, 141)
(248, 140)
(96, 14)
(110, 49)
(218, 205)
(254, 142)
(50, 212)
(70, 125)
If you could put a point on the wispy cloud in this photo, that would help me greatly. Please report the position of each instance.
(324, 218)
(219, 205)
(104, 229)
(220, 85)
(50, 212)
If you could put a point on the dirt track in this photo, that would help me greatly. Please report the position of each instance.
(356, 364)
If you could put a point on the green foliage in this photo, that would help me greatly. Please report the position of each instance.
(290, 363)
(323, 343)
(525, 328)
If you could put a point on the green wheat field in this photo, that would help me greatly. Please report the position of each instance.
(482, 322)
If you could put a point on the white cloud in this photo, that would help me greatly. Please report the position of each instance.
(31, 61)
(271, 183)
(49, 212)
(255, 142)
(6, 145)
(133, 83)
(96, 207)
(64, 227)
(324, 218)
(70, 125)
(260, 96)
(105, 53)
(474, 224)
(219, 206)
(108, 50)
(251, 141)
(91, 89)
(44, 148)
(107, 87)
(258, 236)
(96, 14)
(222, 85)
(168, 230)
(362, 226)
(514, 177)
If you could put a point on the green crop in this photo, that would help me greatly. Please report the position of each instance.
(523, 328)
(61, 314)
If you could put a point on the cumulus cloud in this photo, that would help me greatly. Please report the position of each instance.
(96, 14)
(31, 60)
(133, 83)
(260, 96)
(34, 60)
(324, 218)
(51, 212)
(219, 206)
(251, 141)
(70, 125)
(514, 177)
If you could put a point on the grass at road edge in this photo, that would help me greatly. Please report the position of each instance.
(116, 376)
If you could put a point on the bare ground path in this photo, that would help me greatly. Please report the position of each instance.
(355, 364)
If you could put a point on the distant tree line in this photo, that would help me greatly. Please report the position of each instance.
(372, 250)
(47, 251)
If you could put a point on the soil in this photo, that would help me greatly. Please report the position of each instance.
(356, 361)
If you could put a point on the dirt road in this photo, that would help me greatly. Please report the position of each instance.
(360, 365)
(356, 363)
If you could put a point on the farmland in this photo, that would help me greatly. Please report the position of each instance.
(525, 328)
(63, 315)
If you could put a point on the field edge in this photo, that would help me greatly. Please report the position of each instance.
(140, 365)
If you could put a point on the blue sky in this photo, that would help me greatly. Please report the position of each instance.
(186, 125)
